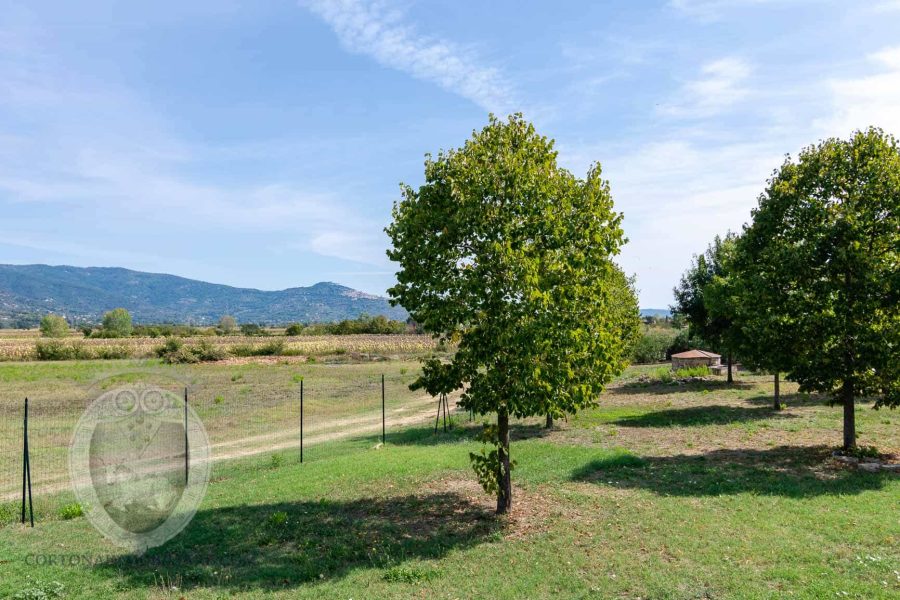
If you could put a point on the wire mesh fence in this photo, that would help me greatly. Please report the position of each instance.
(298, 417)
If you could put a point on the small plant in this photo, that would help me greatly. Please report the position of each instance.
(219, 399)
(408, 574)
(70, 511)
(297, 378)
(278, 518)
(40, 590)
(237, 377)
(863, 452)
(276, 461)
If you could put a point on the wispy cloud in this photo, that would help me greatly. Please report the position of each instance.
(712, 10)
(372, 28)
(858, 102)
(720, 86)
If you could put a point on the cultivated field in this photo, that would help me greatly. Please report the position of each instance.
(665, 491)
(19, 345)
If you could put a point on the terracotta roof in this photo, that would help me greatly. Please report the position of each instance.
(696, 354)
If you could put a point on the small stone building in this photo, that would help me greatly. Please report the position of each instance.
(695, 358)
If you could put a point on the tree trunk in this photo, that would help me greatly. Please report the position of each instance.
(849, 416)
(730, 378)
(504, 491)
(777, 405)
(549, 421)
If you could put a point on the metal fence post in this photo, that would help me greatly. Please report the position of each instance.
(382, 410)
(26, 469)
(186, 446)
(301, 421)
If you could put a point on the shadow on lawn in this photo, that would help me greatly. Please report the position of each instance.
(659, 388)
(790, 471)
(695, 416)
(283, 545)
(462, 430)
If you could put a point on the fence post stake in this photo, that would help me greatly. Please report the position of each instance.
(382, 410)
(26, 469)
(301, 421)
(186, 447)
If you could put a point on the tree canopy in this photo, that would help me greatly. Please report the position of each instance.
(510, 257)
(117, 323)
(706, 309)
(54, 326)
(821, 262)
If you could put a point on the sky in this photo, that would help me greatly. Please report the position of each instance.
(262, 144)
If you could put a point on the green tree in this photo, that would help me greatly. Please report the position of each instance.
(117, 323)
(692, 302)
(227, 324)
(54, 326)
(826, 238)
(294, 329)
(509, 256)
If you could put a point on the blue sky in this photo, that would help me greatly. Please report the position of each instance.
(261, 144)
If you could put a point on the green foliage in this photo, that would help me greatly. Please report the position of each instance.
(70, 511)
(54, 326)
(116, 324)
(408, 574)
(275, 461)
(509, 256)
(227, 324)
(820, 262)
(363, 324)
(168, 330)
(273, 348)
(653, 345)
(174, 351)
(40, 590)
(486, 462)
(710, 322)
(253, 329)
(59, 350)
(294, 329)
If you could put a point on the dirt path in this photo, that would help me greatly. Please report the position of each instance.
(421, 410)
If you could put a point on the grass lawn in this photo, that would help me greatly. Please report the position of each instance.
(664, 491)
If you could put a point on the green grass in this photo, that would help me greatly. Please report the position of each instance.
(704, 492)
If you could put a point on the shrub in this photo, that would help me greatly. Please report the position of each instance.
(175, 352)
(112, 352)
(652, 345)
(294, 329)
(117, 324)
(273, 348)
(57, 350)
(54, 326)
(253, 329)
(70, 511)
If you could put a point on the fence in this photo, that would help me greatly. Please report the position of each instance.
(300, 419)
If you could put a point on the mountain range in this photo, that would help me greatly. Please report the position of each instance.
(82, 295)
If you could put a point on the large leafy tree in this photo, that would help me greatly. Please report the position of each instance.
(822, 259)
(509, 256)
(709, 318)
(54, 326)
(117, 323)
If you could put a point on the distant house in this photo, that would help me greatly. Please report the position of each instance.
(695, 358)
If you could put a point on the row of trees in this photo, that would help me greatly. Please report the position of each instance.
(811, 287)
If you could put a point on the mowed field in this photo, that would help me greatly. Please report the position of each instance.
(698, 490)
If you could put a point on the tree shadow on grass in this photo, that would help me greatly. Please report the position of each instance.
(462, 430)
(659, 388)
(288, 544)
(697, 416)
(789, 471)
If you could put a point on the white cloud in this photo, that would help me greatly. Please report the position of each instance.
(370, 27)
(720, 87)
(858, 102)
(712, 10)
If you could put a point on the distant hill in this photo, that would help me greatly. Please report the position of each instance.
(84, 294)
(655, 312)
